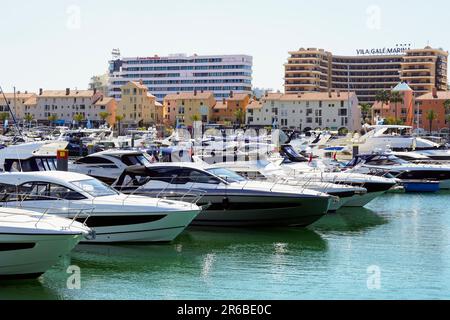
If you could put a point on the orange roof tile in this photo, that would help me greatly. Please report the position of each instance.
(441, 95)
(62, 94)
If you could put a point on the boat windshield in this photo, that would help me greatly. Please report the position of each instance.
(386, 160)
(226, 174)
(142, 159)
(95, 188)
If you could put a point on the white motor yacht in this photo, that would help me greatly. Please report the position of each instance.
(402, 169)
(31, 242)
(394, 137)
(255, 170)
(230, 203)
(115, 217)
(108, 165)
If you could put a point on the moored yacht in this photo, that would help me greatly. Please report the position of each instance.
(299, 167)
(402, 169)
(115, 217)
(255, 171)
(31, 242)
(229, 203)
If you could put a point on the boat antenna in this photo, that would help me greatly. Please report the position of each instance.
(10, 111)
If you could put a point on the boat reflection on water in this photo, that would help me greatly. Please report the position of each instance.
(194, 245)
(350, 220)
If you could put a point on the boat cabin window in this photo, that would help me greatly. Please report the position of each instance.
(181, 176)
(136, 159)
(93, 160)
(8, 192)
(98, 162)
(226, 174)
(95, 188)
(32, 164)
(33, 191)
(377, 160)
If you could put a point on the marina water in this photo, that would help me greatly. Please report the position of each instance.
(398, 247)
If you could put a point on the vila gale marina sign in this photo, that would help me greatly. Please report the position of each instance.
(398, 49)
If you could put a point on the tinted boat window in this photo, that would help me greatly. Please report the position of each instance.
(93, 160)
(47, 191)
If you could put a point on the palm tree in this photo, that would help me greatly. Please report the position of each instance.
(195, 118)
(366, 112)
(431, 116)
(447, 115)
(383, 97)
(240, 116)
(28, 118)
(396, 97)
(119, 119)
(4, 116)
(52, 118)
(78, 118)
(104, 115)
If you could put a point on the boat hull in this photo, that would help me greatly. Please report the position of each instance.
(25, 256)
(262, 211)
(139, 227)
(363, 199)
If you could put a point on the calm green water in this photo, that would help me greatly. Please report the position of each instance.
(406, 236)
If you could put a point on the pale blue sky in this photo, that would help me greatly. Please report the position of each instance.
(42, 45)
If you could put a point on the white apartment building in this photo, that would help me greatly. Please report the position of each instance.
(219, 74)
(62, 106)
(306, 111)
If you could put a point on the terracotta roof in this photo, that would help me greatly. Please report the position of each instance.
(272, 96)
(157, 104)
(254, 104)
(18, 95)
(238, 96)
(189, 95)
(220, 105)
(139, 85)
(62, 94)
(104, 101)
(150, 95)
(442, 95)
(31, 101)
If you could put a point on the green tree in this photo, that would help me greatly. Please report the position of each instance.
(52, 118)
(395, 98)
(383, 97)
(28, 118)
(366, 112)
(431, 116)
(4, 116)
(104, 115)
(119, 119)
(78, 118)
(195, 118)
(240, 116)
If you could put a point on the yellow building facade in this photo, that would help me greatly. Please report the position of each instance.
(138, 106)
(187, 107)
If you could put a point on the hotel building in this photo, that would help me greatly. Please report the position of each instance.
(316, 70)
(306, 111)
(181, 73)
